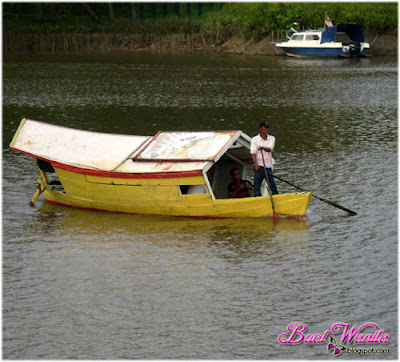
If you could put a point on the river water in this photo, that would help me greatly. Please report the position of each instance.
(95, 285)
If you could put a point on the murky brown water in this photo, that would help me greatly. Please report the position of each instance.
(92, 285)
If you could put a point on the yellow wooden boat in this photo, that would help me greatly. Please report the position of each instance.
(172, 173)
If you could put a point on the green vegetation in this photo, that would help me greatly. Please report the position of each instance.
(223, 19)
(260, 18)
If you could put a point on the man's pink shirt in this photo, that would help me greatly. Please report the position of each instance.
(257, 142)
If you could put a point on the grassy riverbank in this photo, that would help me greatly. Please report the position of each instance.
(14, 44)
(181, 26)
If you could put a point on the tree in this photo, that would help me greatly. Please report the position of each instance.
(133, 12)
(92, 14)
(111, 12)
(53, 13)
(164, 9)
(141, 11)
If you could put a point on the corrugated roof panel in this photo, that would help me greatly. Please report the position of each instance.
(188, 146)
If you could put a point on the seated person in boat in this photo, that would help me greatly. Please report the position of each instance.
(239, 187)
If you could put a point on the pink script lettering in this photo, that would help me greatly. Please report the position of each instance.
(354, 334)
(297, 330)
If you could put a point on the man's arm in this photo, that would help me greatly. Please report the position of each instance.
(249, 185)
(253, 152)
(271, 145)
(254, 157)
(233, 193)
(230, 191)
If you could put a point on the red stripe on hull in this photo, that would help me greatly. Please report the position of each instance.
(132, 213)
(85, 208)
(155, 175)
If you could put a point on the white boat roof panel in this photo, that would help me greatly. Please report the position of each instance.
(85, 149)
(165, 152)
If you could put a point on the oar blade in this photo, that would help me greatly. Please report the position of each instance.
(330, 202)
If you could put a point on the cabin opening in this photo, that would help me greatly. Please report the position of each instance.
(193, 189)
(237, 156)
(50, 175)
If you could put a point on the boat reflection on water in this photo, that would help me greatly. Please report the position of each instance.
(99, 226)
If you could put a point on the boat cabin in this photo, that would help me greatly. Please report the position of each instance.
(343, 33)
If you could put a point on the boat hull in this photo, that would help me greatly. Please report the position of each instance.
(299, 52)
(163, 197)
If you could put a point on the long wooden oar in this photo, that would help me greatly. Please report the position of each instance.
(274, 213)
(329, 202)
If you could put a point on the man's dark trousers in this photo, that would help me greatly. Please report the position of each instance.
(259, 176)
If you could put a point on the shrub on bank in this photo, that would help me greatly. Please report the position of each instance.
(218, 20)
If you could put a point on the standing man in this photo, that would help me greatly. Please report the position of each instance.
(301, 24)
(261, 153)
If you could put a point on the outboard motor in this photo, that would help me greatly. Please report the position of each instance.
(355, 48)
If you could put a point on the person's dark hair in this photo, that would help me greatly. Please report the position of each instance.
(299, 18)
(233, 170)
(264, 124)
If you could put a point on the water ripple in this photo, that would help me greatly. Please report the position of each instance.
(91, 285)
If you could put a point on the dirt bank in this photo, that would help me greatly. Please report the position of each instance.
(381, 45)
